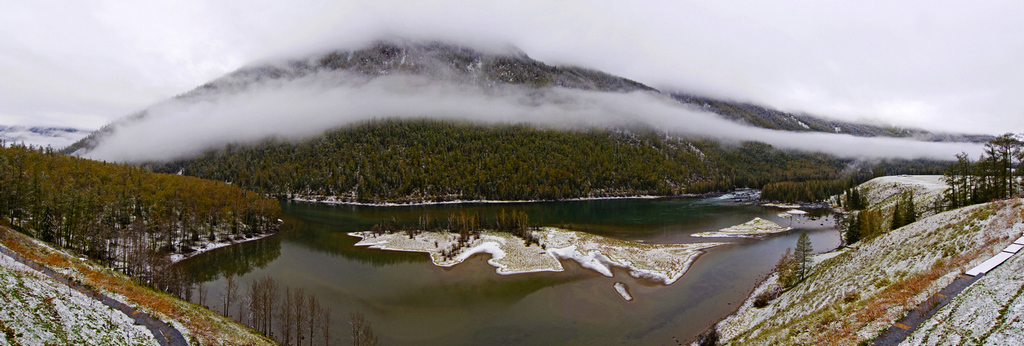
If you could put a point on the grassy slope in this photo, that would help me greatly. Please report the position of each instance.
(199, 324)
(38, 310)
(989, 312)
(854, 294)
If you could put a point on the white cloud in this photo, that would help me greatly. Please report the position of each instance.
(940, 65)
(308, 106)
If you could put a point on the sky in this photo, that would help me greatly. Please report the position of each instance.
(938, 65)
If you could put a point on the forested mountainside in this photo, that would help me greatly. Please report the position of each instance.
(415, 160)
(432, 160)
(768, 118)
(122, 216)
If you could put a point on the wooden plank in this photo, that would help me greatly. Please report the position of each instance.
(991, 263)
(902, 326)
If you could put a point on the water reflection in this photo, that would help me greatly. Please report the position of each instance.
(236, 260)
(411, 301)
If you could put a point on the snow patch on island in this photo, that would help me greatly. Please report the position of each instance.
(510, 255)
(750, 229)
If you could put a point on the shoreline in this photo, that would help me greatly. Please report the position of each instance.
(332, 200)
(207, 247)
(762, 284)
(306, 199)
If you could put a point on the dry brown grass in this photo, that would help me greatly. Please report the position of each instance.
(204, 326)
(907, 293)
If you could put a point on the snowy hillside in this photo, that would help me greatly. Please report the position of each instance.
(854, 294)
(49, 313)
(989, 312)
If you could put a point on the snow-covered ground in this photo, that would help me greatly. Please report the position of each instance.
(989, 312)
(860, 291)
(884, 192)
(623, 291)
(661, 262)
(36, 310)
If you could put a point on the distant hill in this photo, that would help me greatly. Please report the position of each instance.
(39, 136)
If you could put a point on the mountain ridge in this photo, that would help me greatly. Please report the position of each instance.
(439, 61)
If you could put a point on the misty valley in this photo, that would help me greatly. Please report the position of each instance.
(421, 192)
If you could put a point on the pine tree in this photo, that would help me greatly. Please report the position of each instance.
(897, 216)
(852, 229)
(803, 255)
(910, 213)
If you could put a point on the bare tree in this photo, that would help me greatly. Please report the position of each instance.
(263, 293)
(230, 294)
(201, 289)
(362, 330)
(315, 316)
(241, 309)
(325, 326)
(299, 313)
(286, 318)
(256, 311)
(271, 297)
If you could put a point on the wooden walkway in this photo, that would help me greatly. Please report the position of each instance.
(905, 326)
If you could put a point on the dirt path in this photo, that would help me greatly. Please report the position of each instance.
(164, 333)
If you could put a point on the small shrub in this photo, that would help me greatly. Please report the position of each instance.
(882, 282)
(708, 338)
(851, 297)
(762, 299)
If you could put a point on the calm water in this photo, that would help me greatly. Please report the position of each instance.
(410, 301)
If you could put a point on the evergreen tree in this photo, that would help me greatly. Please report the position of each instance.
(910, 213)
(803, 255)
(897, 216)
(852, 225)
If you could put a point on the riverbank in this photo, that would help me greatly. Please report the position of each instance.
(335, 201)
(207, 246)
(748, 196)
(664, 263)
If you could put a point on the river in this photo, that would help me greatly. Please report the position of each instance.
(408, 300)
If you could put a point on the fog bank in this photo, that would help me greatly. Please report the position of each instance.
(308, 106)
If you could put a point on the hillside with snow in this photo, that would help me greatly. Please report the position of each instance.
(855, 293)
(38, 310)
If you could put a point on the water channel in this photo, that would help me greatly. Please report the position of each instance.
(409, 300)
